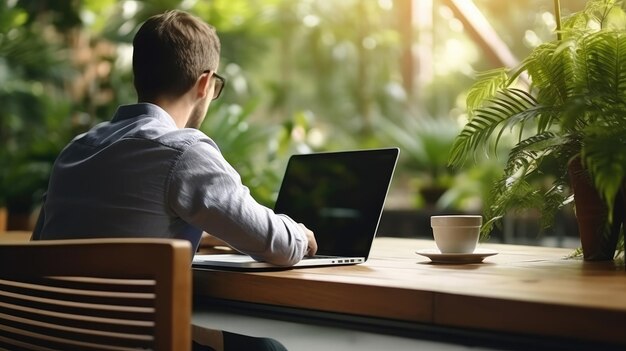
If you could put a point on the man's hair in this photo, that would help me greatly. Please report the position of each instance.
(170, 52)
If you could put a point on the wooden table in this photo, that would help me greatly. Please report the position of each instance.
(524, 290)
(14, 236)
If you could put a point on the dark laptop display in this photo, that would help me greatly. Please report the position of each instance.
(339, 196)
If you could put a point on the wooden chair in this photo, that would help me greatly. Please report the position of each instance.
(96, 294)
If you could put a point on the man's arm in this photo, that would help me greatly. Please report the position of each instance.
(207, 192)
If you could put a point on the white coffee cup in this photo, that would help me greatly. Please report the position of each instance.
(456, 233)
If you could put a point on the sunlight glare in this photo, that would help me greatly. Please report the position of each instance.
(456, 57)
(548, 19)
(126, 28)
(455, 25)
(316, 137)
(385, 4)
(462, 119)
(445, 12)
(311, 21)
(187, 4)
(342, 51)
(369, 43)
(130, 8)
(531, 39)
(124, 56)
(396, 91)
(88, 17)
(237, 81)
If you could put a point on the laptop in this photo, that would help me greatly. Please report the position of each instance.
(338, 195)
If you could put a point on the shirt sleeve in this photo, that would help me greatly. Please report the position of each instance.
(207, 192)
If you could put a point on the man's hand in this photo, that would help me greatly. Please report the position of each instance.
(212, 244)
(312, 244)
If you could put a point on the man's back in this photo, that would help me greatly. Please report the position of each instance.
(113, 181)
(141, 176)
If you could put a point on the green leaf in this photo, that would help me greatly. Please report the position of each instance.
(508, 104)
(488, 84)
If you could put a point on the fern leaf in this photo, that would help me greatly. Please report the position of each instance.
(485, 88)
(491, 118)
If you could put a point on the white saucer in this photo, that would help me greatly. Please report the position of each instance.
(437, 257)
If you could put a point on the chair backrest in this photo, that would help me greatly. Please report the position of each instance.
(96, 294)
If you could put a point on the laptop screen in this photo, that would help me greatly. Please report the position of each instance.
(339, 196)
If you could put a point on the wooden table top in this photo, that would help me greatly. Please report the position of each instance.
(522, 289)
(14, 236)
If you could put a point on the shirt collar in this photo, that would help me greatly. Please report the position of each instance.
(142, 110)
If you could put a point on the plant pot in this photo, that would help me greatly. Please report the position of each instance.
(598, 237)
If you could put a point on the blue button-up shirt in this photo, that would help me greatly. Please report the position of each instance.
(141, 176)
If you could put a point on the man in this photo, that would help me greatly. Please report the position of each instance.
(150, 173)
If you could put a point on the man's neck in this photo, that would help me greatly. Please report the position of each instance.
(177, 108)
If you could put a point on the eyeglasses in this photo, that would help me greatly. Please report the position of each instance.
(220, 82)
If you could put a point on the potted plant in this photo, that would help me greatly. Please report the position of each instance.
(569, 124)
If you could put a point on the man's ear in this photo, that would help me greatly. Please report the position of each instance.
(203, 85)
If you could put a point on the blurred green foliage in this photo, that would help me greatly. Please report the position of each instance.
(34, 111)
(303, 75)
